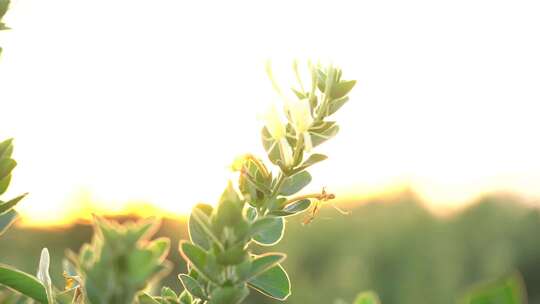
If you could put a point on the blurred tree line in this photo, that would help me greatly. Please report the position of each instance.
(393, 246)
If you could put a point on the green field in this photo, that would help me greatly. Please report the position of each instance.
(392, 246)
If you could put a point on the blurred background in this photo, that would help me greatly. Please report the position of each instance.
(132, 109)
(391, 245)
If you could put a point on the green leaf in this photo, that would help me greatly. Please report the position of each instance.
(271, 147)
(293, 208)
(200, 260)
(185, 298)
(159, 248)
(22, 282)
(321, 80)
(230, 195)
(274, 283)
(6, 220)
(276, 204)
(199, 225)
(168, 293)
(255, 177)
(510, 290)
(229, 209)
(141, 264)
(242, 270)
(253, 183)
(330, 80)
(298, 94)
(312, 160)
(298, 206)
(5, 207)
(367, 297)
(86, 254)
(280, 213)
(251, 214)
(229, 295)
(6, 147)
(264, 262)
(262, 224)
(295, 183)
(145, 298)
(323, 131)
(342, 88)
(4, 184)
(4, 5)
(291, 135)
(6, 166)
(335, 105)
(272, 232)
(233, 255)
(43, 274)
(228, 222)
(228, 214)
(141, 231)
(192, 286)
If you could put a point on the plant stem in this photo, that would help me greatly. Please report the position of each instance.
(297, 153)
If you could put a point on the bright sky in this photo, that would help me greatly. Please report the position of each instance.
(135, 101)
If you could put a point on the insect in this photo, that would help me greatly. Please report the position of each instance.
(312, 214)
(323, 197)
(74, 283)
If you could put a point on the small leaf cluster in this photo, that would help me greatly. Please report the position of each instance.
(116, 267)
(328, 93)
(120, 262)
(4, 5)
(7, 164)
(222, 264)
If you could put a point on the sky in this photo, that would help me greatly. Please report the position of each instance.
(119, 102)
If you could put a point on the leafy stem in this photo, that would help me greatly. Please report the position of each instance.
(297, 154)
(258, 214)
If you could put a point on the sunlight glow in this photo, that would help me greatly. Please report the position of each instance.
(120, 103)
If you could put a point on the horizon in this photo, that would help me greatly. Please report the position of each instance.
(142, 210)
